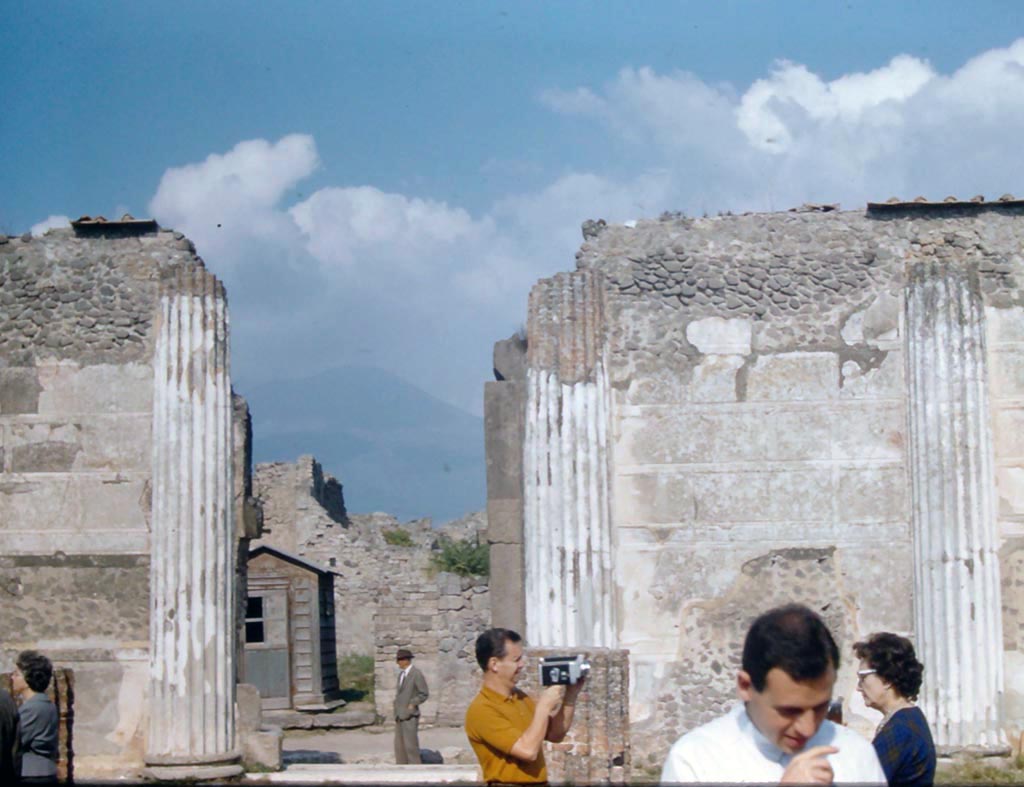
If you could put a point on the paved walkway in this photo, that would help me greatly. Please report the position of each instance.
(446, 745)
(369, 774)
(366, 756)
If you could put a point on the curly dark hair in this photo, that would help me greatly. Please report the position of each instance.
(36, 669)
(894, 661)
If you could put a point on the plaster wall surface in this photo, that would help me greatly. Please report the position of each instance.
(759, 436)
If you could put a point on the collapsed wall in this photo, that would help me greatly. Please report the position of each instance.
(387, 595)
(810, 406)
(119, 484)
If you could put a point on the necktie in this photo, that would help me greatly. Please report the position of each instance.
(401, 680)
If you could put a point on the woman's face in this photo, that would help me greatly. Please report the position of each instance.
(872, 687)
(18, 684)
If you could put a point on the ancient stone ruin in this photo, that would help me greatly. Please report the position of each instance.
(123, 491)
(388, 593)
(712, 416)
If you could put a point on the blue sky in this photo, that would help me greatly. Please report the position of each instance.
(390, 178)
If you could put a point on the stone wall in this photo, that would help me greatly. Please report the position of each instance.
(597, 749)
(78, 327)
(759, 433)
(387, 596)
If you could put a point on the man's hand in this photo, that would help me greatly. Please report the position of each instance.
(573, 691)
(549, 699)
(810, 767)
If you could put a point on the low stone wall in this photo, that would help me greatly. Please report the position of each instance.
(439, 620)
(597, 749)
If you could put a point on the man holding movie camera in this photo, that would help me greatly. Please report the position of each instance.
(507, 728)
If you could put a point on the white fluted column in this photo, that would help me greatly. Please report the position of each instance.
(957, 606)
(192, 561)
(567, 536)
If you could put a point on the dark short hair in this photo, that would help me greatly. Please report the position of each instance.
(36, 669)
(492, 643)
(893, 659)
(792, 638)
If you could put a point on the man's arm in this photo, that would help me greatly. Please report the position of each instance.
(419, 691)
(528, 746)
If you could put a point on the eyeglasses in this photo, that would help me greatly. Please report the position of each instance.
(863, 673)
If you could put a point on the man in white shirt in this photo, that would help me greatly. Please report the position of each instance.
(779, 733)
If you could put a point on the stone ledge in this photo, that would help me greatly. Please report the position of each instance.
(370, 774)
(345, 719)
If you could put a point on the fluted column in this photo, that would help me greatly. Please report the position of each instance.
(567, 538)
(192, 568)
(957, 608)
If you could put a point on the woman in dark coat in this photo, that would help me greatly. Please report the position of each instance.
(889, 678)
(38, 718)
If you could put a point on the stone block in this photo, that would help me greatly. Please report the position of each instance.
(1008, 432)
(71, 513)
(798, 432)
(671, 436)
(882, 581)
(250, 707)
(261, 749)
(797, 376)
(504, 427)
(505, 521)
(875, 431)
(67, 388)
(736, 496)
(800, 495)
(1010, 489)
(714, 380)
(883, 382)
(659, 386)
(770, 495)
(510, 359)
(109, 720)
(1004, 326)
(872, 494)
(718, 336)
(19, 390)
(656, 498)
(507, 587)
(1006, 371)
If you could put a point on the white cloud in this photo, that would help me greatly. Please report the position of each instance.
(343, 224)
(792, 91)
(232, 198)
(50, 223)
(791, 137)
(423, 287)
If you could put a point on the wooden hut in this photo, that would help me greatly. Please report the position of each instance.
(290, 652)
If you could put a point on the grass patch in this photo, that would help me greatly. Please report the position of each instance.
(355, 678)
(467, 557)
(981, 771)
(397, 537)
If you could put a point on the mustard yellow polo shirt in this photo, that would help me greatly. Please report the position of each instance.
(493, 725)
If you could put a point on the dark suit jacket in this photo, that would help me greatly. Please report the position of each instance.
(10, 765)
(412, 692)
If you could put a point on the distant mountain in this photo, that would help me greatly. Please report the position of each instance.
(393, 447)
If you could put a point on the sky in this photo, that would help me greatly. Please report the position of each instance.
(381, 183)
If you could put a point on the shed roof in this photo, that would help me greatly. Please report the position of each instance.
(286, 556)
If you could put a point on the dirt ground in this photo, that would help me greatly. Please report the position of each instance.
(374, 744)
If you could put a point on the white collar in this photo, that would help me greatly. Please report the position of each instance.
(768, 749)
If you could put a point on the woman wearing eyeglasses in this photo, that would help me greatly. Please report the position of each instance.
(889, 678)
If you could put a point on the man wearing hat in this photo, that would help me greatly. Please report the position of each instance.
(411, 693)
